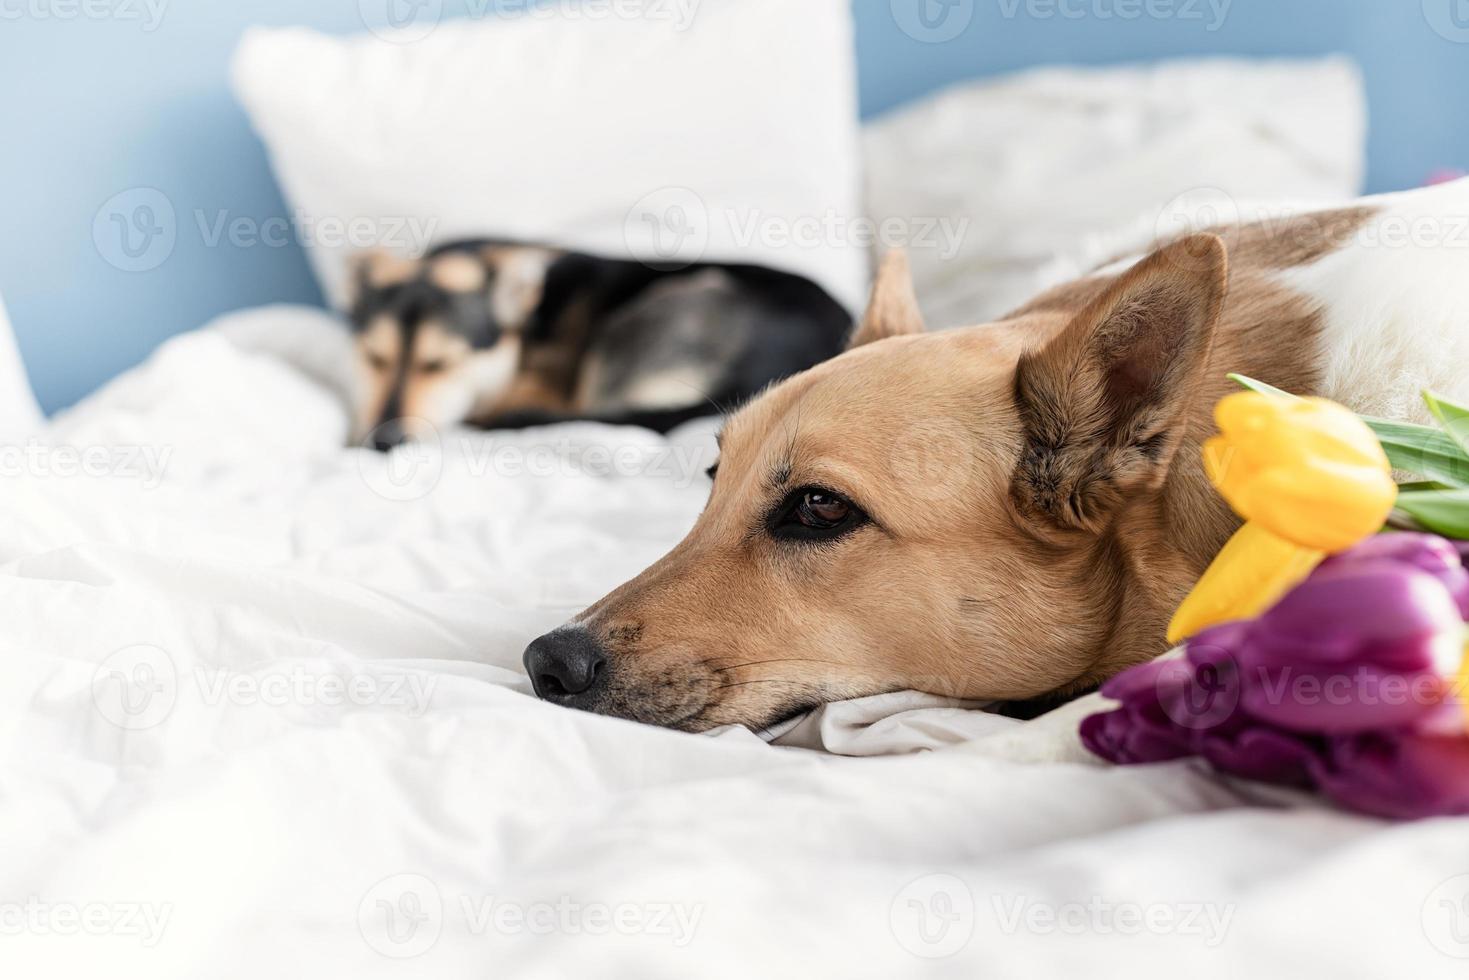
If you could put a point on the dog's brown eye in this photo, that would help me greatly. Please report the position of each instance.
(823, 510)
(814, 514)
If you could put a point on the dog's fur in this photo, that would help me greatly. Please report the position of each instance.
(1027, 498)
(500, 334)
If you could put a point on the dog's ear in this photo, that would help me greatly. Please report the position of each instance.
(893, 309)
(520, 282)
(377, 268)
(1103, 404)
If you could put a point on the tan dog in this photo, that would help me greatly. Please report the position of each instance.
(997, 512)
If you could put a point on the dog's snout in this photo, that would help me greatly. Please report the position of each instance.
(567, 666)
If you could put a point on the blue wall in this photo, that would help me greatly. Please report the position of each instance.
(94, 107)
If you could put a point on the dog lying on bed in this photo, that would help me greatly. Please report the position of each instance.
(1014, 510)
(499, 334)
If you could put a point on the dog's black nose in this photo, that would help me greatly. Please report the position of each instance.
(387, 435)
(567, 666)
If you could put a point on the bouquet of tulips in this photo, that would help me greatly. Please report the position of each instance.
(1326, 646)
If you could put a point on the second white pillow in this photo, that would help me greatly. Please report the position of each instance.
(732, 137)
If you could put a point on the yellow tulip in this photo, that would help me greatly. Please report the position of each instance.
(1462, 683)
(1308, 477)
(1254, 570)
(1306, 469)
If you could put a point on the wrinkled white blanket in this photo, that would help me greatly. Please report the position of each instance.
(263, 716)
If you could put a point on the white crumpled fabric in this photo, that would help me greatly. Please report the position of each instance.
(263, 715)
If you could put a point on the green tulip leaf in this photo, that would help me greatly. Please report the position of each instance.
(1429, 453)
(1444, 512)
(1259, 386)
(1453, 418)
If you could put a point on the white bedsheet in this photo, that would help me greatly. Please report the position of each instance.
(327, 763)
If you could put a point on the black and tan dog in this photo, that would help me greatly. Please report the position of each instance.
(501, 334)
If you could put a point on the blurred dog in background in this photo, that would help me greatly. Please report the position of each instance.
(503, 335)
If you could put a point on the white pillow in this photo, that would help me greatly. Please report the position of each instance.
(647, 137)
(19, 414)
(1030, 166)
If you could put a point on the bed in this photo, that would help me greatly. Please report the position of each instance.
(265, 716)
(264, 713)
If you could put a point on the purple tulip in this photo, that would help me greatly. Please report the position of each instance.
(1346, 684)
(1443, 559)
(1143, 731)
(1402, 775)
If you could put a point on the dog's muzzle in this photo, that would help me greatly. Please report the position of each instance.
(567, 666)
